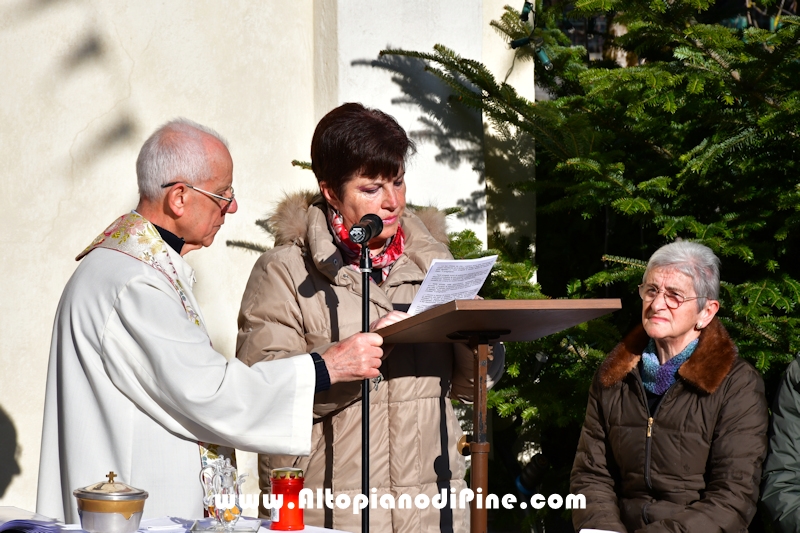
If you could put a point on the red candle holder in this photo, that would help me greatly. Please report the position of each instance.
(287, 482)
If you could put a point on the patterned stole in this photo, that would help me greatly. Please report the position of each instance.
(135, 236)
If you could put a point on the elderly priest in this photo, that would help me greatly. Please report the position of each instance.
(134, 385)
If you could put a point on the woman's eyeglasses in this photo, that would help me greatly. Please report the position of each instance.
(673, 299)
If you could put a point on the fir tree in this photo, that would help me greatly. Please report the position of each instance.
(698, 137)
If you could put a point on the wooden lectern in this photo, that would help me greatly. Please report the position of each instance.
(480, 323)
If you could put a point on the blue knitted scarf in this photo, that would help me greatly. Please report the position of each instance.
(657, 378)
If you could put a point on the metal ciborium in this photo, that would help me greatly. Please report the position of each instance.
(222, 490)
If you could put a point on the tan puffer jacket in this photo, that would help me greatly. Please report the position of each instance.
(301, 297)
(694, 464)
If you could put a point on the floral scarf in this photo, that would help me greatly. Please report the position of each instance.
(134, 235)
(352, 251)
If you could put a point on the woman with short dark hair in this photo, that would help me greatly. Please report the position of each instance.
(306, 293)
(675, 429)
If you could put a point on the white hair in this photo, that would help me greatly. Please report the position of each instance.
(174, 152)
(694, 260)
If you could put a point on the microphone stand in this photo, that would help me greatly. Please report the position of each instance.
(365, 265)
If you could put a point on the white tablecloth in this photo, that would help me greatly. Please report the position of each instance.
(167, 524)
(170, 524)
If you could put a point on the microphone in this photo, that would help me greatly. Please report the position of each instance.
(370, 227)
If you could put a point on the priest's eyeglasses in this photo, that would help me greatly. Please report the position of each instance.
(673, 299)
(228, 199)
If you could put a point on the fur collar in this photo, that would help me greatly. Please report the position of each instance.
(289, 223)
(711, 361)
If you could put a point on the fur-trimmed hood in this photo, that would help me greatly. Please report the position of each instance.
(710, 362)
(289, 223)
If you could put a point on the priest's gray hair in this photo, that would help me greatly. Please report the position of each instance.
(174, 152)
(694, 260)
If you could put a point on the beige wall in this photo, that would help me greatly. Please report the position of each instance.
(84, 82)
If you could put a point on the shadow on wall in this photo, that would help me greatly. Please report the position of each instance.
(20, 12)
(504, 160)
(118, 131)
(118, 126)
(89, 48)
(9, 451)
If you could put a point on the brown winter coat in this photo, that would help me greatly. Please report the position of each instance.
(301, 297)
(695, 465)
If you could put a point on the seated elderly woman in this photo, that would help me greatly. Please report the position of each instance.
(675, 429)
(305, 294)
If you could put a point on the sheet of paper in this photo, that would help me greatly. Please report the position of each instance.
(20, 520)
(448, 280)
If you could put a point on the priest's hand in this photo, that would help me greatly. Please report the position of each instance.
(355, 358)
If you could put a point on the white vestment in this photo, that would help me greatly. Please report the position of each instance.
(133, 385)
